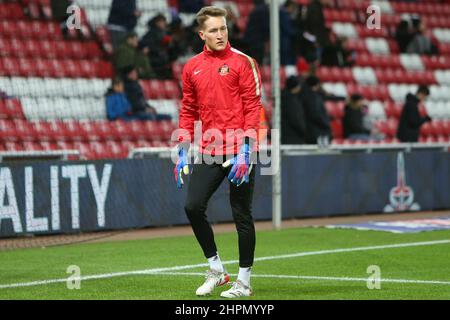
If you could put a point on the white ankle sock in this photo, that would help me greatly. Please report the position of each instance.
(244, 275)
(215, 263)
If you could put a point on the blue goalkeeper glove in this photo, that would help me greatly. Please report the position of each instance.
(181, 167)
(241, 168)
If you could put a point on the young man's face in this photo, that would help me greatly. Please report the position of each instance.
(215, 33)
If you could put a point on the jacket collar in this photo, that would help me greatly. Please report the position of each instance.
(218, 54)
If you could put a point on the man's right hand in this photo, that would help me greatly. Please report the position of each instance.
(181, 167)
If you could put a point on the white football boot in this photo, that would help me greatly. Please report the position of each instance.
(237, 290)
(213, 279)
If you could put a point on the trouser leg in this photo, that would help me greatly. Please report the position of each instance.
(203, 182)
(241, 204)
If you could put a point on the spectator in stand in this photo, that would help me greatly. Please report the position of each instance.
(136, 53)
(288, 33)
(293, 126)
(125, 54)
(142, 62)
(403, 35)
(309, 51)
(353, 122)
(334, 53)
(117, 104)
(317, 122)
(410, 118)
(159, 41)
(315, 21)
(123, 18)
(179, 39)
(257, 32)
(133, 90)
(420, 43)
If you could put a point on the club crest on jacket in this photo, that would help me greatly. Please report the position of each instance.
(224, 70)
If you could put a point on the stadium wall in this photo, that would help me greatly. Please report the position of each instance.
(80, 196)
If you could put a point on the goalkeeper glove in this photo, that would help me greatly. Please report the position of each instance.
(241, 168)
(181, 167)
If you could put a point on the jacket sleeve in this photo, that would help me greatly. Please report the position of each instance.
(250, 90)
(189, 108)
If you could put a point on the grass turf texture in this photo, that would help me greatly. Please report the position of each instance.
(413, 263)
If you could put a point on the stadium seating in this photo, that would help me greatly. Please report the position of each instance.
(54, 85)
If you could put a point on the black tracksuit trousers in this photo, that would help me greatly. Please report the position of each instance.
(203, 182)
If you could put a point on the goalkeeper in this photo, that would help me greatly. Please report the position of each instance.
(221, 89)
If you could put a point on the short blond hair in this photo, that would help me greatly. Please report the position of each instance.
(207, 12)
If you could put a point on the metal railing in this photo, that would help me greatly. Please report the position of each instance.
(165, 152)
(14, 156)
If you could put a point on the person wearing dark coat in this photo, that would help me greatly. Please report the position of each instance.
(353, 121)
(403, 35)
(315, 21)
(123, 18)
(317, 120)
(257, 32)
(287, 33)
(135, 95)
(293, 125)
(159, 42)
(410, 118)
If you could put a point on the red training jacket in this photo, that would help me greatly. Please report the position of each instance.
(222, 89)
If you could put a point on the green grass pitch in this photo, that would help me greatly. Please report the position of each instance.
(324, 275)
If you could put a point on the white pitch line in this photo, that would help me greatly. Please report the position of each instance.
(285, 276)
(192, 266)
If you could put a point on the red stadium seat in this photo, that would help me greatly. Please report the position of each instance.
(337, 129)
(13, 109)
(172, 91)
(84, 149)
(103, 69)
(427, 130)
(75, 131)
(5, 47)
(8, 130)
(27, 67)
(9, 66)
(90, 130)
(393, 109)
(14, 146)
(12, 11)
(335, 109)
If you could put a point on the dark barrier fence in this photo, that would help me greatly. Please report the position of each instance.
(79, 196)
